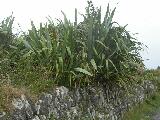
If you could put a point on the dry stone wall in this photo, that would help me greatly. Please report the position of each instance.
(90, 103)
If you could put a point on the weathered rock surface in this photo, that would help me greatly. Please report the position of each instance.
(98, 103)
(3, 116)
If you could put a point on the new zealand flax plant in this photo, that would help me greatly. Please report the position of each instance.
(95, 49)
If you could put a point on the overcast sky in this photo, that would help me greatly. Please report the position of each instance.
(142, 16)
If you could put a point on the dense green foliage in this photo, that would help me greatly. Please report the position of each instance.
(94, 50)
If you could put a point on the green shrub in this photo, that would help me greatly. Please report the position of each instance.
(6, 35)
